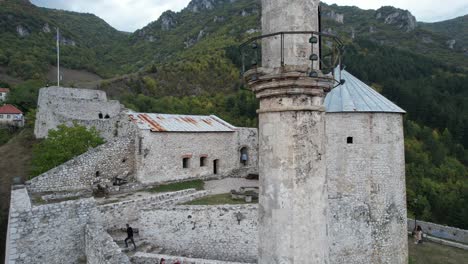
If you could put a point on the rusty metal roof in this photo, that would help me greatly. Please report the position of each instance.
(356, 96)
(180, 123)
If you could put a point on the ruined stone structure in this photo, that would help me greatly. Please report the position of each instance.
(141, 149)
(363, 143)
(293, 207)
(90, 108)
(100, 165)
(332, 175)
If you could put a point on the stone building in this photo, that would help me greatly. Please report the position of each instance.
(366, 175)
(57, 105)
(11, 116)
(3, 94)
(178, 147)
(141, 148)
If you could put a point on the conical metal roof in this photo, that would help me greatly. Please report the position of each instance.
(356, 96)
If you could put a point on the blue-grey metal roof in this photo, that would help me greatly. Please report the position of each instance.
(356, 96)
(180, 123)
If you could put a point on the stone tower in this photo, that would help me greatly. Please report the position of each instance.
(293, 206)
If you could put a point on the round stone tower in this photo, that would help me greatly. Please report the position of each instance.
(366, 176)
(293, 205)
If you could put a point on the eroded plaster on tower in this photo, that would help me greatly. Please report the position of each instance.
(293, 192)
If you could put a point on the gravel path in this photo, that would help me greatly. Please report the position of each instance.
(228, 184)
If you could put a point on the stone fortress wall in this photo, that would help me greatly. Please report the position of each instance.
(366, 185)
(440, 231)
(116, 214)
(51, 233)
(225, 232)
(100, 247)
(75, 231)
(153, 157)
(99, 165)
(91, 108)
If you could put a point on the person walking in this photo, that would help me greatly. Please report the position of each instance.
(130, 237)
(418, 235)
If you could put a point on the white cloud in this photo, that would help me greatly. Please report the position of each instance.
(130, 15)
(125, 15)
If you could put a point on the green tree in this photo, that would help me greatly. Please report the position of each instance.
(63, 144)
(25, 95)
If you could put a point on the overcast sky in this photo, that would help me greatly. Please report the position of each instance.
(130, 15)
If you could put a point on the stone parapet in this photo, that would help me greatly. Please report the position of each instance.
(101, 248)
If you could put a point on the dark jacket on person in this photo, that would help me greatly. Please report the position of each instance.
(129, 232)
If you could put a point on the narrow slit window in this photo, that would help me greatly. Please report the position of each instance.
(349, 140)
(186, 163)
(202, 161)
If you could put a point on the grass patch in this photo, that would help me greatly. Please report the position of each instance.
(432, 253)
(178, 186)
(218, 199)
(38, 200)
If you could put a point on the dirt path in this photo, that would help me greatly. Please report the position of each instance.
(228, 184)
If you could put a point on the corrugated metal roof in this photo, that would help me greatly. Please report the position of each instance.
(180, 123)
(356, 96)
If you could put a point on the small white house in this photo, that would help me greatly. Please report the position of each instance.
(12, 116)
(3, 94)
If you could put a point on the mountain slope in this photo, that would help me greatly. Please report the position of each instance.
(456, 29)
(28, 35)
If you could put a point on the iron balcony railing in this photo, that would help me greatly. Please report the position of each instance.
(330, 47)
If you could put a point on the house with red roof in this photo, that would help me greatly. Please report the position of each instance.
(10, 115)
(3, 94)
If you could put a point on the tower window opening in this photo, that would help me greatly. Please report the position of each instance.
(349, 140)
(202, 161)
(186, 163)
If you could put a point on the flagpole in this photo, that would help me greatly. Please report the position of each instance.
(58, 58)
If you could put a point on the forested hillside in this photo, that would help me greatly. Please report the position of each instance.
(189, 62)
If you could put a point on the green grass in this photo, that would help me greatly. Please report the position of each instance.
(178, 186)
(217, 199)
(432, 253)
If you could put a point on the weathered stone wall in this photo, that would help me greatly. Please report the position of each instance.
(207, 232)
(101, 248)
(52, 233)
(147, 258)
(440, 231)
(86, 107)
(160, 157)
(366, 185)
(102, 164)
(248, 138)
(280, 15)
(116, 215)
